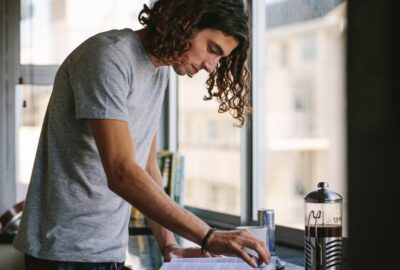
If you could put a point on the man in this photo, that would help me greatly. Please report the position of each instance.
(97, 151)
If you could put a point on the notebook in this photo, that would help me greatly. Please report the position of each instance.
(217, 263)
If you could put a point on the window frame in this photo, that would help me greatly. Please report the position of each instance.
(9, 23)
(14, 74)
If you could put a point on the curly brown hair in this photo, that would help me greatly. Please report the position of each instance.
(171, 24)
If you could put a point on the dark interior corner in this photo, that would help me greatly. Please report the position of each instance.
(373, 133)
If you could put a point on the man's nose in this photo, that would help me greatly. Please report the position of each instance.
(210, 64)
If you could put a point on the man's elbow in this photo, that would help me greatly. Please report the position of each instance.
(114, 184)
(120, 176)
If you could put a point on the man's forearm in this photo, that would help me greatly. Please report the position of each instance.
(163, 236)
(136, 186)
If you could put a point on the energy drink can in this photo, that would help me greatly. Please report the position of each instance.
(266, 218)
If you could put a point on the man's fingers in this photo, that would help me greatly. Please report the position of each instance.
(215, 255)
(258, 246)
(245, 256)
(207, 254)
(233, 243)
(262, 251)
(268, 256)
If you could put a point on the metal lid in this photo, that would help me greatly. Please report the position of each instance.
(323, 195)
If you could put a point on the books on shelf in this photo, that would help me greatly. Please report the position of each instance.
(179, 179)
(171, 165)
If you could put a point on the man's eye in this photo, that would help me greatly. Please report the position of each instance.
(212, 49)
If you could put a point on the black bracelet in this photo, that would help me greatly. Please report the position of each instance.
(205, 239)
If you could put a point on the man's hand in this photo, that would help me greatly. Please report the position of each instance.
(231, 243)
(173, 251)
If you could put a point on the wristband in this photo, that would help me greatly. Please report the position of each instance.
(205, 239)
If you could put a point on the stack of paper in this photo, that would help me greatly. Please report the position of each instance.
(216, 263)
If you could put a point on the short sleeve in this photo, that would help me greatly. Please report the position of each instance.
(100, 81)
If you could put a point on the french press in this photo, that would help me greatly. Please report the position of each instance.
(323, 229)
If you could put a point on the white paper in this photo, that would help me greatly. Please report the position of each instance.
(215, 263)
(222, 259)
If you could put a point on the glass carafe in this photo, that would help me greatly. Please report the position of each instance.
(323, 229)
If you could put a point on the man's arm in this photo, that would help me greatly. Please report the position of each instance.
(164, 237)
(127, 179)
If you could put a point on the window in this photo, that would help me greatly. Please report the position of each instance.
(309, 46)
(211, 146)
(298, 94)
(301, 87)
(33, 103)
(298, 118)
(49, 31)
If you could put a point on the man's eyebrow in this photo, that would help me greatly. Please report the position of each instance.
(220, 51)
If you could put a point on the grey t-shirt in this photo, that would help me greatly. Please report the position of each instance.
(70, 213)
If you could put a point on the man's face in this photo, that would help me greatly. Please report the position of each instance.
(208, 46)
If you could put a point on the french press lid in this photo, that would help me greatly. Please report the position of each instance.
(323, 195)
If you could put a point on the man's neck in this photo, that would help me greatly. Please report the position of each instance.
(142, 33)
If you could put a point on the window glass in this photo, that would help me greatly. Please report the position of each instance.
(303, 107)
(51, 29)
(211, 146)
(32, 104)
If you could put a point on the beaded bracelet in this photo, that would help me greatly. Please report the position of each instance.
(205, 239)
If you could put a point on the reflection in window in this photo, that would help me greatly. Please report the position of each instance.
(304, 103)
(309, 45)
(211, 145)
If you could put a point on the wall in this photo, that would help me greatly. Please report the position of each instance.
(373, 133)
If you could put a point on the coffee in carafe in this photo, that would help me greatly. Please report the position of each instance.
(323, 229)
